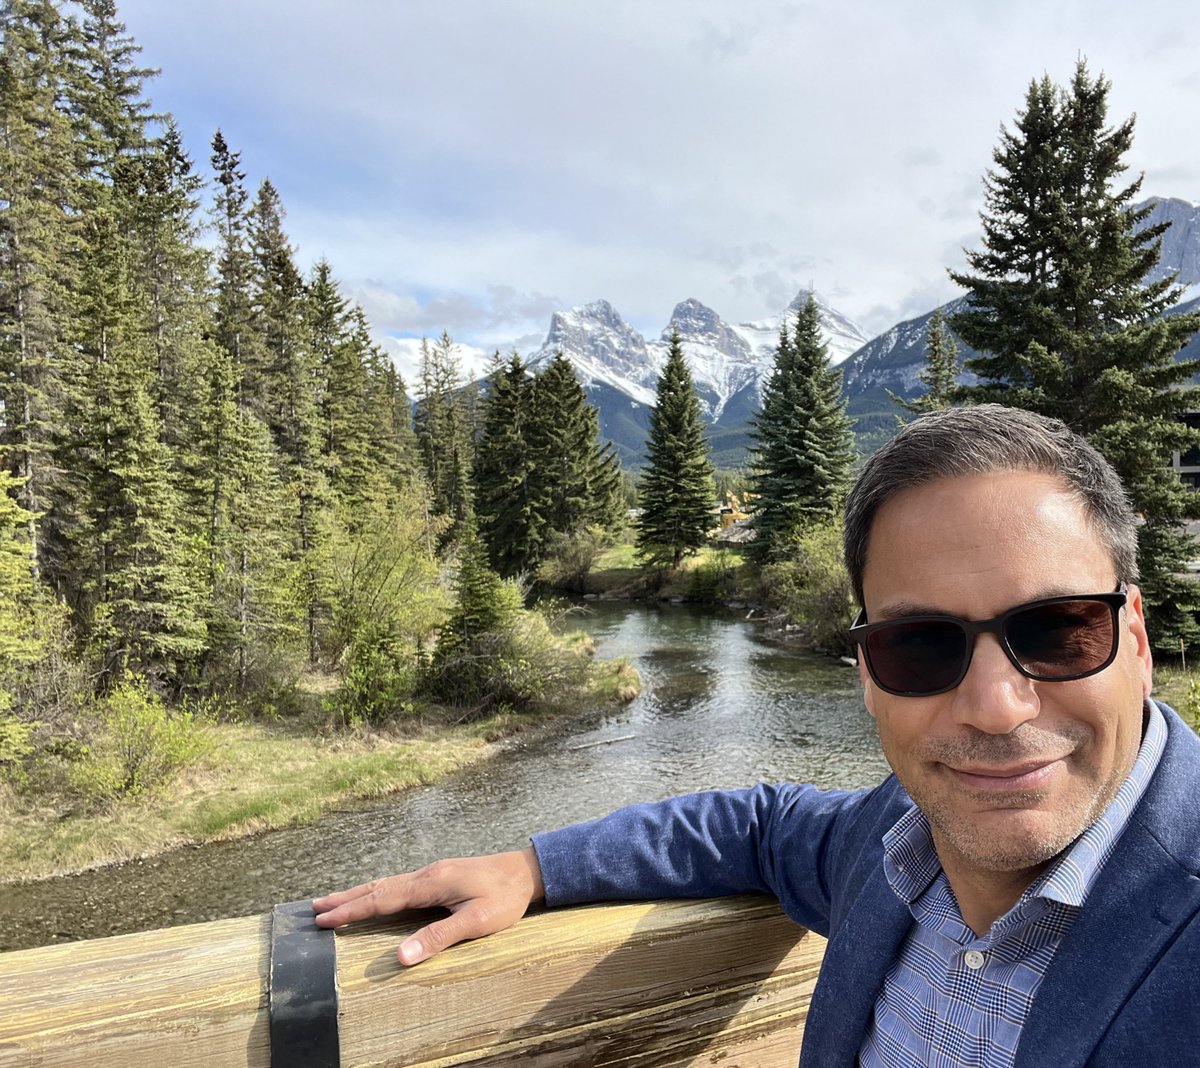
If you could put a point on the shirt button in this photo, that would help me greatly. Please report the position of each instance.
(973, 959)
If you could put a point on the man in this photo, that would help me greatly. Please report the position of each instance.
(1025, 889)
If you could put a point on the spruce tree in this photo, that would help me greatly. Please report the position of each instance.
(578, 475)
(511, 525)
(442, 421)
(1066, 327)
(677, 489)
(105, 94)
(940, 373)
(235, 330)
(126, 570)
(282, 314)
(804, 446)
(157, 195)
(39, 199)
(394, 445)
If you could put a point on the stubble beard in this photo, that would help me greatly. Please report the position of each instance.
(1031, 841)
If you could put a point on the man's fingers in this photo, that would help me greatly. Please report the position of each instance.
(433, 938)
(378, 898)
(332, 901)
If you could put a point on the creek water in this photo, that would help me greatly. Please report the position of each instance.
(721, 706)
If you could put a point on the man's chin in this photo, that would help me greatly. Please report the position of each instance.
(1005, 839)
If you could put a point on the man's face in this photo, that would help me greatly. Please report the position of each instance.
(1008, 770)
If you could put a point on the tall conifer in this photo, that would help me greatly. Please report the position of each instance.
(442, 422)
(1066, 327)
(804, 446)
(39, 200)
(940, 374)
(511, 524)
(677, 490)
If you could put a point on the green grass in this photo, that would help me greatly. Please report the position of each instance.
(1181, 690)
(710, 574)
(264, 775)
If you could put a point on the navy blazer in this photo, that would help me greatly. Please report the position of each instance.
(1123, 990)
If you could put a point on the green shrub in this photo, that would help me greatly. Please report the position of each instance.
(521, 662)
(16, 747)
(569, 557)
(713, 579)
(377, 678)
(813, 589)
(1191, 704)
(140, 746)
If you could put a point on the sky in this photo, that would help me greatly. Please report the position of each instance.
(476, 165)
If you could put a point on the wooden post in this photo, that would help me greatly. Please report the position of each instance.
(664, 984)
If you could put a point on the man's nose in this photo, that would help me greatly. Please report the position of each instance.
(994, 696)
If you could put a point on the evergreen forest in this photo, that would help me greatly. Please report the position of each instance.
(215, 482)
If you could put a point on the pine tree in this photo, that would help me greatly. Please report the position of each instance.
(578, 476)
(804, 446)
(131, 583)
(39, 200)
(940, 373)
(1058, 309)
(442, 422)
(677, 490)
(510, 523)
(105, 93)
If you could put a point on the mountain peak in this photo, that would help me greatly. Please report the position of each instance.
(700, 325)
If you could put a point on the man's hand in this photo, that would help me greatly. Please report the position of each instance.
(485, 895)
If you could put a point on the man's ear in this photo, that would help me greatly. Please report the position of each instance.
(1136, 620)
(865, 678)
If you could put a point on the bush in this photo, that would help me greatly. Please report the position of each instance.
(569, 557)
(517, 664)
(376, 678)
(16, 747)
(713, 579)
(141, 745)
(813, 589)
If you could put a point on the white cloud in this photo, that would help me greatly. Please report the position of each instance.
(471, 166)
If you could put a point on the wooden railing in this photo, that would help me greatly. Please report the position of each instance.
(723, 981)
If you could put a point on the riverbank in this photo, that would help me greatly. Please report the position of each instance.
(721, 576)
(266, 775)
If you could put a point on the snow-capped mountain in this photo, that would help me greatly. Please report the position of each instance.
(894, 360)
(725, 359)
(729, 363)
(1181, 242)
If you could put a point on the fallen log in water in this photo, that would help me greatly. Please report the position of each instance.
(663, 984)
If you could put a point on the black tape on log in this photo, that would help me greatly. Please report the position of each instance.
(303, 1002)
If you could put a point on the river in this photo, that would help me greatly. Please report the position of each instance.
(721, 706)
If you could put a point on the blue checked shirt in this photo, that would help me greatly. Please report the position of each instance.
(952, 1000)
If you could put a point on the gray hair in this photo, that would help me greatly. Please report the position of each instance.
(979, 440)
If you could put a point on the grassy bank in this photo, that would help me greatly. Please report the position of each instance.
(711, 575)
(261, 776)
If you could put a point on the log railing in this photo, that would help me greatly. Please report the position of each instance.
(723, 981)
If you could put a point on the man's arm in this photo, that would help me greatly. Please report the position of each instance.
(484, 895)
(767, 839)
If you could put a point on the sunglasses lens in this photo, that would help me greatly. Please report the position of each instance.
(1060, 641)
(917, 658)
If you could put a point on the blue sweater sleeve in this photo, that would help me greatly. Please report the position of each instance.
(782, 840)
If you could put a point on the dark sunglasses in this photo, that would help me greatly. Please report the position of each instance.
(1057, 639)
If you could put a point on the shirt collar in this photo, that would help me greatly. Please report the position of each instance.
(1071, 877)
(911, 863)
